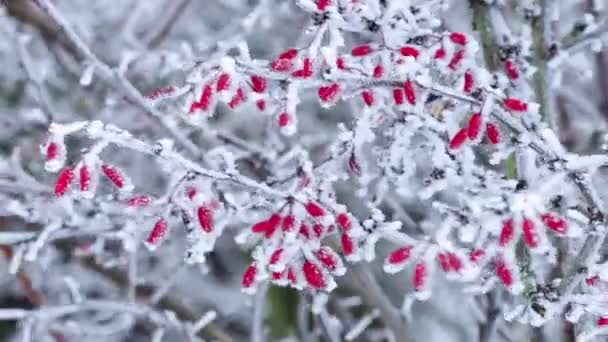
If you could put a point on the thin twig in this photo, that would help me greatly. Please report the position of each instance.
(162, 26)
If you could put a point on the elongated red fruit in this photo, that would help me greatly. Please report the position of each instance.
(313, 275)
(64, 179)
(458, 139)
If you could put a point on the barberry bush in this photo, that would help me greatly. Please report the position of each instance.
(305, 170)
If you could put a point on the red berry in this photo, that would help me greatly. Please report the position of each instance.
(468, 82)
(419, 276)
(285, 60)
(327, 258)
(113, 175)
(439, 54)
(348, 246)
(318, 230)
(344, 221)
(506, 233)
(322, 4)
(205, 100)
(476, 255)
(503, 273)
(314, 209)
(284, 119)
(138, 201)
(511, 70)
(458, 139)
(492, 133)
(458, 38)
(602, 321)
(361, 50)
(456, 59)
(52, 150)
(249, 276)
(529, 234)
(398, 96)
(454, 261)
(515, 105)
(409, 51)
(258, 84)
(399, 255)
(276, 256)
(223, 82)
(261, 104)
(64, 179)
(368, 97)
(555, 223)
(410, 94)
(288, 223)
(205, 218)
(378, 71)
(313, 275)
(85, 177)
(306, 70)
(158, 232)
(443, 262)
(237, 99)
(329, 93)
(591, 281)
(474, 126)
(340, 63)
